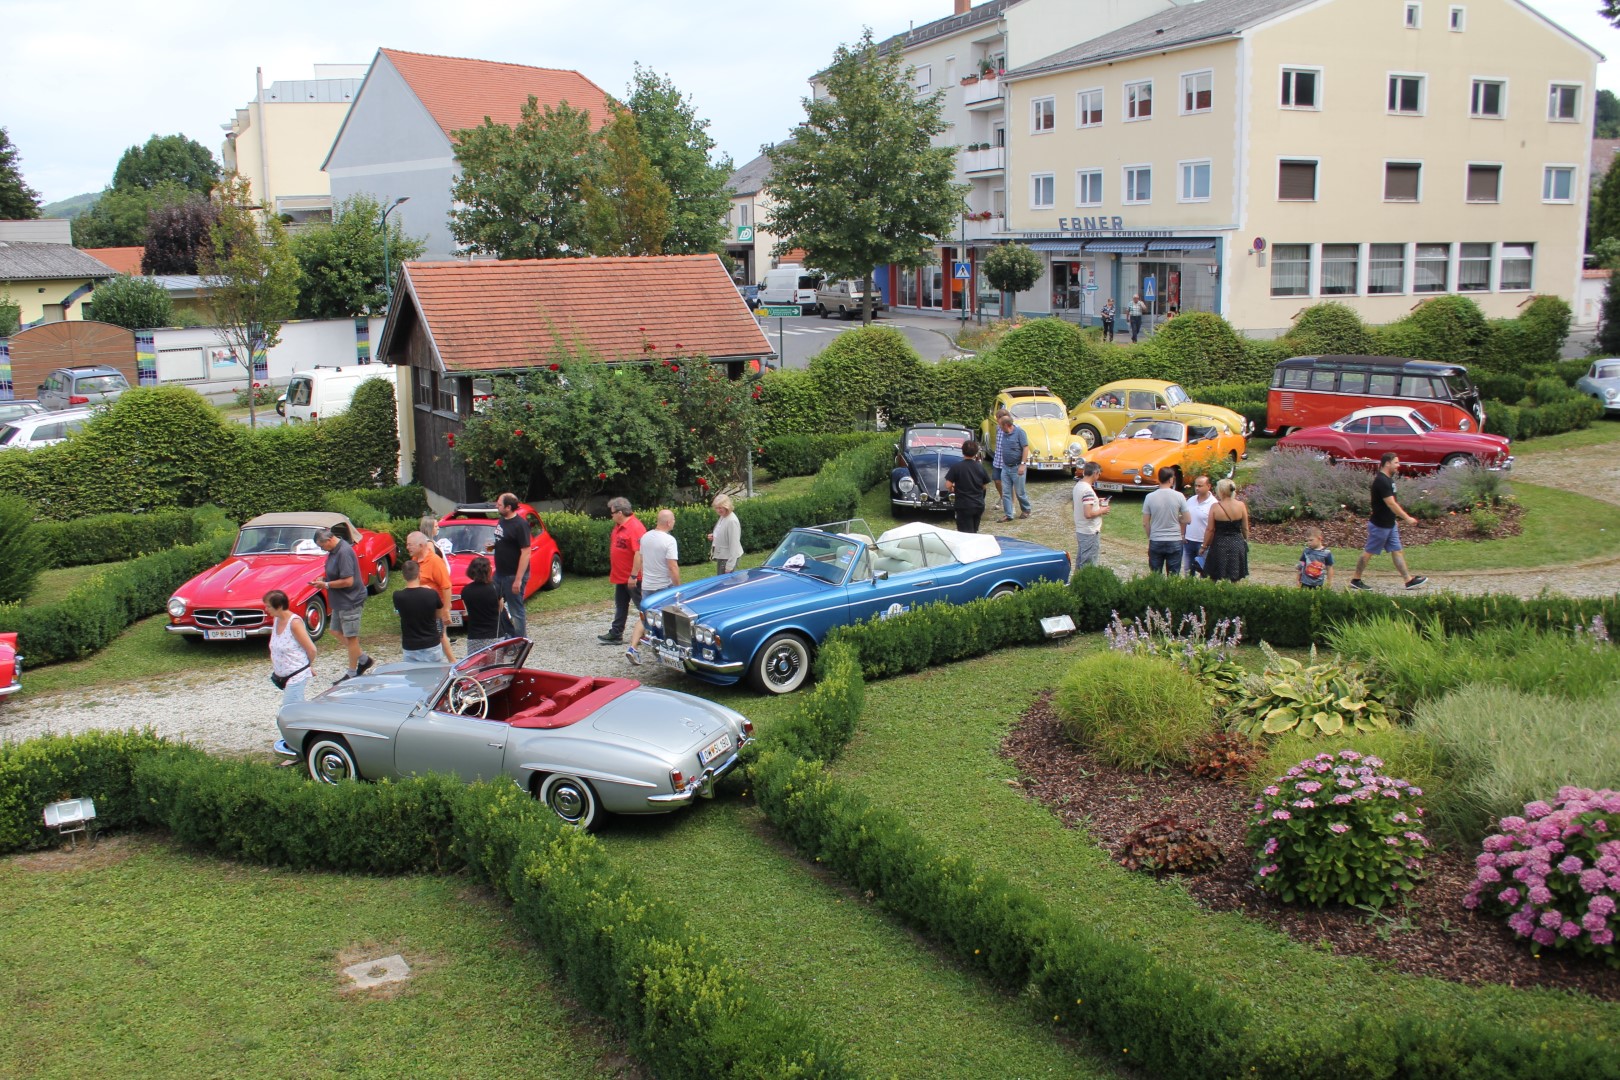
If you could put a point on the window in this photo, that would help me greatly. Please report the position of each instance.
(1138, 183)
(1296, 181)
(1323, 378)
(1042, 191)
(1353, 382)
(922, 77)
(1088, 187)
(1042, 114)
(1485, 183)
(1457, 18)
(1381, 384)
(1197, 91)
(745, 213)
(1295, 378)
(1138, 100)
(1088, 108)
(1291, 270)
(1386, 269)
(1414, 386)
(1431, 269)
(1339, 269)
(1401, 179)
(446, 401)
(424, 388)
(1489, 99)
(1414, 16)
(1474, 268)
(1194, 181)
(1558, 183)
(1517, 262)
(1299, 88)
(1564, 102)
(1406, 94)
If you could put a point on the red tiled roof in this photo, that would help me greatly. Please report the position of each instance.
(1596, 275)
(121, 260)
(460, 93)
(509, 315)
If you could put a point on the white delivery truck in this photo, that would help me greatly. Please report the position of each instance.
(326, 391)
(790, 285)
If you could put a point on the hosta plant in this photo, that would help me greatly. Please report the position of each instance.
(1554, 873)
(1325, 697)
(1335, 830)
(1168, 845)
(1202, 651)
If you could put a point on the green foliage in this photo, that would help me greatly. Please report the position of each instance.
(1607, 342)
(1231, 395)
(1201, 650)
(1335, 830)
(22, 550)
(10, 315)
(256, 394)
(1530, 420)
(1136, 712)
(96, 765)
(167, 159)
(1534, 337)
(1405, 753)
(340, 265)
(1606, 106)
(627, 202)
(804, 455)
(1201, 347)
(792, 403)
(1320, 698)
(1605, 215)
(869, 372)
(1504, 747)
(521, 192)
(1448, 329)
(17, 200)
(134, 303)
(1328, 329)
(677, 144)
(361, 444)
(396, 501)
(1046, 352)
(1012, 268)
(178, 233)
(104, 538)
(118, 218)
(253, 275)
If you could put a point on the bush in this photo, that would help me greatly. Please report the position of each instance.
(1554, 873)
(96, 765)
(1320, 698)
(1224, 755)
(791, 403)
(1448, 329)
(1535, 337)
(1404, 752)
(1503, 748)
(869, 373)
(22, 552)
(1528, 421)
(1231, 395)
(1168, 845)
(1201, 347)
(135, 303)
(1201, 651)
(803, 455)
(1334, 830)
(1291, 485)
(361, 444)
(396, 501)
(1436, 494)
(104, 538)
(263, 394)
(1328, 329)
(1136, 712)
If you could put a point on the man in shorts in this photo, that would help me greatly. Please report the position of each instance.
(1383, 531)
(346, 592)
(1088, 515)
(657, 567)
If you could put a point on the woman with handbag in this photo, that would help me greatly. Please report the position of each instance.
(292, 651)
(1226, 537)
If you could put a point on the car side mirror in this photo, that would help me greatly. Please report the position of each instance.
(880, 575)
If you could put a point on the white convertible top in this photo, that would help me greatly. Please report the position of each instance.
(967, 547)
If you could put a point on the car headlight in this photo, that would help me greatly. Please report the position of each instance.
(907, 485)
(1464, 426)
(177, 607)
(1612, 393)
(705, 635)
(654, 620)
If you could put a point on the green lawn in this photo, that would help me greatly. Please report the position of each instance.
(135, 959)
(1601, 432)
(52, 585)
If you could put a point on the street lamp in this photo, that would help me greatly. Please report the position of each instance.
(388, 287)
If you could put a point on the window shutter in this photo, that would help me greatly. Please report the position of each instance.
(1401, 182)
(1296, 180)
(1484, 183)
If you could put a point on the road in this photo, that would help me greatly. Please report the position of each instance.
(802, 338)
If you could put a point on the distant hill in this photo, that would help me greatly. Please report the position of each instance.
(70, 208)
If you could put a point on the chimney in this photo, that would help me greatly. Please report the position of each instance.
(962, 6)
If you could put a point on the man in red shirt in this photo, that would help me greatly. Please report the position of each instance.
(623, 544)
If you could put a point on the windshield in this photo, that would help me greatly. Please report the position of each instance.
(1175, 394)
(935, 439)
(1037, 410)
(277, 540)
(1606, 371)
(1458, 387)
(465, 539)
(1421, 421)
(8, 434)
(101, 384)
(502, 654)
(815, 554)
(1163, 430)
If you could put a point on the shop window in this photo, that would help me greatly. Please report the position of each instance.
(1296, 181)
(1195, 181)
(1488, 100)
(1088, 108)
(1042, 191)
(1386, 269)
(1299, 88)
(1291, 270)
(1474, 268)
(1564, 103)
(1484, 183)
(1197, 91)
(1138, 183)
(1558, 184)
(1431, 268)
(1406, 94)
(1401, 181)
(1518, 264)
(1042, 115)
(1138, 100)
(1088, 187)
(1339, 269)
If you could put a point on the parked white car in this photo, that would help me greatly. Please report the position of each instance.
(42, 429)
(321, 392)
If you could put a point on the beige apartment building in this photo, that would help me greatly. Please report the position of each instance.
(1253, 157)
(280, 138)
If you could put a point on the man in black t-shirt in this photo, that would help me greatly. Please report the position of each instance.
(1383, 531)
(420, 610)
(967, 480)
(512, 566)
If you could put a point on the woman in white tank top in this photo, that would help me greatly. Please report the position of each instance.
(292, 652)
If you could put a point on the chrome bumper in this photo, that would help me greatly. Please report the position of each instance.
(918, 502)
(680, 656)
(701, 787)
(1506, 466)
(7, 691)
(284, 750)
(197, 631)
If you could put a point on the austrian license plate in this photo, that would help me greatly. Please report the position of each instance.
(1049, 465)
(1105, 486)
(715, 749)
(671, 660)
(456, 617)
(224, 635)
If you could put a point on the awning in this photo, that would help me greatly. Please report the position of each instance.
(1056, 247)
(1180, 245)
(1114, 247)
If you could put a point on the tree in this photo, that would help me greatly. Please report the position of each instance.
(1608, 333)
(167, 158)
(17, 199)
(1606, 116)
(1604, 220)
(118, 218)
(629, 206)
(521, 192)
(177, 235)
(1611, 11)
(678, 145)
(860, 183)
(1013, 268)
(252, 278)
(135, 303)
(341, 265)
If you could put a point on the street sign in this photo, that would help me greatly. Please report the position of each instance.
(745, 234)
(961, 271)
(780, 311)
(1150, 287)
(1091, 286)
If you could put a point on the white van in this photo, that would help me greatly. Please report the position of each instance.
(790, 285)
(843, 298)
(326, 391)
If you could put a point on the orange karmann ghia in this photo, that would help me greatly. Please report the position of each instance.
(1133, 458)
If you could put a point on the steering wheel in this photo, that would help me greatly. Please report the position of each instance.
(468, 698)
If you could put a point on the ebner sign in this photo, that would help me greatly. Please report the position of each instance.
(1104, 225)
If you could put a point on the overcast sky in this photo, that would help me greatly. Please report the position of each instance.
(81, 83)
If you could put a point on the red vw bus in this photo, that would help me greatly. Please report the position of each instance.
(1311, 390)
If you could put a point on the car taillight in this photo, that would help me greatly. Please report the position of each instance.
(312, 416)
(77, 399)
(748, 727)
(677, 779)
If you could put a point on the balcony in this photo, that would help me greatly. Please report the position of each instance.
(982, 93)
(980, 230)
(990, 159)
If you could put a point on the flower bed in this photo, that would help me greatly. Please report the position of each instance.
(1346, 531)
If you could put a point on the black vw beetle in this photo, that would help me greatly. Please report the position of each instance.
(922, 457)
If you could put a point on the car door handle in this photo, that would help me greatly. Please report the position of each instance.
(497, 745)
(921, 584)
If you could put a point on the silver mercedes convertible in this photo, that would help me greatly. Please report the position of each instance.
(582, 746)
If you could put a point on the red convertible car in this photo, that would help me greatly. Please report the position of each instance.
(1363, 437)
(10, 666)
(274, 551)
(469, 531)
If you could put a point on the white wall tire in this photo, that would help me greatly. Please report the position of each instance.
(329, 761)
(782, 664)
(571, 799)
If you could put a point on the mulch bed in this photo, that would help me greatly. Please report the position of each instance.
(1431, 934)
(1347, 531)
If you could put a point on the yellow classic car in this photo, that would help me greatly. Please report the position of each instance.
(1108, 408)
(1042, 416)
(1133, 458)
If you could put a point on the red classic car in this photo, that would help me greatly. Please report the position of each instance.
(274, 551)
(469, 531)
(1363, 437)
(10, 666)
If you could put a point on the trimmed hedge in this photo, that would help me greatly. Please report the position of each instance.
(105, 538)
(96, 765)
(1529, 421)
(804, 455)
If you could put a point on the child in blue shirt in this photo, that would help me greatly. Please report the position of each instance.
(1315, 562)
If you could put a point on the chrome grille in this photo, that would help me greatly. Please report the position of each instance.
(229, 618)
(677, 626)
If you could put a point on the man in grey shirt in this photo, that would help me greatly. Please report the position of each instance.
(657, 565)
(1164, 516)
(346, 590)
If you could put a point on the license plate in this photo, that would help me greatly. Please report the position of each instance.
(1049, 465)
(224, 635)
(456, 618)
(671, 660)
(1104, 486)
(715, 749)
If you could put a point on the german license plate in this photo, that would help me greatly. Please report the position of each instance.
(456, 618)
(715, 749)
(224, 635)
(1105, 486)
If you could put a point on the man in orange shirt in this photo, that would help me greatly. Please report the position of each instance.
(624, 543)
(435, 575)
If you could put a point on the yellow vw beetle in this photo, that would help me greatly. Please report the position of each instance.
(1106, 410)
(1042, 416)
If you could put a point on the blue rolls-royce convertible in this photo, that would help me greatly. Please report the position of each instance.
(766, 622)
(922, 457)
